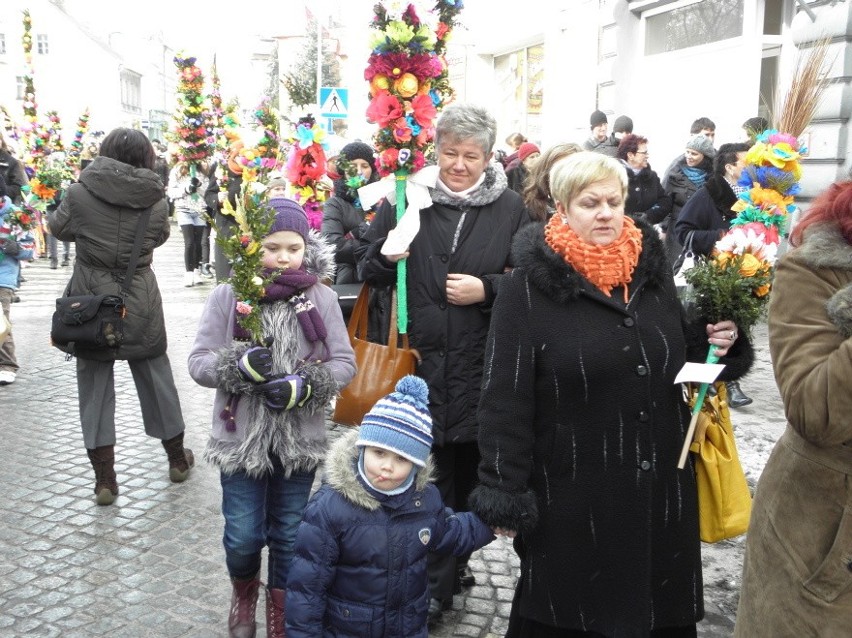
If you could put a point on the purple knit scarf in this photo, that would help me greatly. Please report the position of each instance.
(288, 285)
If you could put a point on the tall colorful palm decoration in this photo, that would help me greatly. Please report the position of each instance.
(735, 281)
(409, 84)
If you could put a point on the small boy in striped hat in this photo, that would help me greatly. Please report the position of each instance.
(362, 547)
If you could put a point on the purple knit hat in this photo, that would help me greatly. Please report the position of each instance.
(289, 215)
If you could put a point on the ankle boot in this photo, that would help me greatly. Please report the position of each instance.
(241, 622)
(103, 462)
(275, 613)
(181, 459)
(736, 397)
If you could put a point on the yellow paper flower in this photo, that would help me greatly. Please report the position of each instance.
(406, 85)
(750, 265)
(379, 83)
(252, 248)
(762, 291)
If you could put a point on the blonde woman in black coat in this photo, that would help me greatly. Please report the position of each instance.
(581, 424)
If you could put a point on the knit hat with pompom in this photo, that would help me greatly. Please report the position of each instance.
(401, 422)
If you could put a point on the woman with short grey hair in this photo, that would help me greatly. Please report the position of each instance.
(455, 264)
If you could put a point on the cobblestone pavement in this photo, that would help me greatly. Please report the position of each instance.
(152, 564)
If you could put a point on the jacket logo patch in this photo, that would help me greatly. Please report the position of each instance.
(425, 535)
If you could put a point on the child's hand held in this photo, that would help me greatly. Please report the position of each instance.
(256, 364)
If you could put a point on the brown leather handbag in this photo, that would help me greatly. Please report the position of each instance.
(379, 366)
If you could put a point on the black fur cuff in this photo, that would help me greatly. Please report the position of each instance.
(511, 511)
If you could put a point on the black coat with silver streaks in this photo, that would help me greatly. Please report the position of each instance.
(581, 426)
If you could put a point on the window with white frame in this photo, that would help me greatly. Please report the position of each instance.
(41, 44)
(2, 44)
(131, 91)
(20, 87)
(693, 24)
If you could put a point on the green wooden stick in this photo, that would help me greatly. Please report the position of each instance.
(401, 290)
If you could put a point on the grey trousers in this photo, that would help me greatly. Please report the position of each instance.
(155, 386)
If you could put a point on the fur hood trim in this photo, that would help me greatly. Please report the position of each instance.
(548, 272)
(342, 476)
(319, 256)
(491, 188)
(825, 247)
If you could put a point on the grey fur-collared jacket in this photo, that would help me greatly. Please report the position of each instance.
(298, 436)
(797, 573)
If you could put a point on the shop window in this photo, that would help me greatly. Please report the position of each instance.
(692, 25)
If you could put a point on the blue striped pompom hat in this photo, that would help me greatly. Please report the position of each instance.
(400, 422)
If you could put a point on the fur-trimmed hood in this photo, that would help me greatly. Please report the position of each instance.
(319, 256)
(548, 272)
(342, 475)
(491, 188)
(825, 247)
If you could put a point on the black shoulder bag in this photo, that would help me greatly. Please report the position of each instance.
(96, 322)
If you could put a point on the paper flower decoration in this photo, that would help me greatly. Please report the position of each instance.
(75, 149)
(190, 131)
(306, 166)
(242, 248)
(408, 80)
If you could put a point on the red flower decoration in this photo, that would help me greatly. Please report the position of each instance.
(424, 110)
(384, 109)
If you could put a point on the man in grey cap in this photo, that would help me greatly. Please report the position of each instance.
(598, 123)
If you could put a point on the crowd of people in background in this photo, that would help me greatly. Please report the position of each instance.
(525, 265)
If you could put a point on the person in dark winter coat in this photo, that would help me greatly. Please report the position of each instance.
(707, 216)
(361, 550)
(537, 196)
(269, 433)
(622, 126)
(646, 199)
(215, 199)
(528, 155)
(683, 178)
(797, 579)
(12, 171)
(454, 266)
(344, 221)
(100, 215)
(598, 124)
(581, 424)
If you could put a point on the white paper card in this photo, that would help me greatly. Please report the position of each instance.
(699, 372)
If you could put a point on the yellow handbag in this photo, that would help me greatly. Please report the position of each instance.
(724, 499)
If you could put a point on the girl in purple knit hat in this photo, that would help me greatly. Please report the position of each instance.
(269, 431)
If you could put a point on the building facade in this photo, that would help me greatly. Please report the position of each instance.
(662, 62)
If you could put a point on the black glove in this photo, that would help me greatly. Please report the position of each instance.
(10, 247)
(194, 183)
(256, 364)
(360, 230)
(286, 392)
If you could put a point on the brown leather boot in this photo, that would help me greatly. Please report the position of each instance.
(241, 622)
(275, 613)
(103, 462)
(181, 459)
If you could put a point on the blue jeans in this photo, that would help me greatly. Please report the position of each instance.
(263, 511)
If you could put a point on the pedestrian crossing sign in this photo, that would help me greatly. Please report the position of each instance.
(334, 101)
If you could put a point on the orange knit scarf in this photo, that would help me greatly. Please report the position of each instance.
(605, 266)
